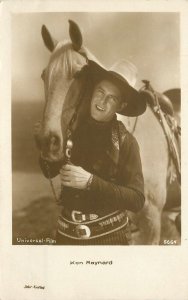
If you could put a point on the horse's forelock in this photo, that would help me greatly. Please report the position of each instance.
(61, 61)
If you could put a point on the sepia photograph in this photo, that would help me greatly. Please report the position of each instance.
(96, 131)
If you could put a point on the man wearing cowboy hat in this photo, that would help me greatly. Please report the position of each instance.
(105, 178)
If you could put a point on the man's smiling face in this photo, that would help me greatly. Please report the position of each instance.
(106, 101)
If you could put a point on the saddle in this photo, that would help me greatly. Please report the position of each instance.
(163, 110)
(164, 102)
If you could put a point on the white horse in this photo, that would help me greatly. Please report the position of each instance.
(62, 90)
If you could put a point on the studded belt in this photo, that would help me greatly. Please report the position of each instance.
(78, 216)
(92, 229)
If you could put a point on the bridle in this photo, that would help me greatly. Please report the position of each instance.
(69, 144)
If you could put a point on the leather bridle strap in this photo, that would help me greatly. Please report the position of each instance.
(69, 142)
(57, 199)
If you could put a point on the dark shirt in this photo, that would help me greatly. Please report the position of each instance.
(115, 185)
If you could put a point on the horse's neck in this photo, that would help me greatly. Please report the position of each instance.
(153, 146)
(77, 102)
(152, 143)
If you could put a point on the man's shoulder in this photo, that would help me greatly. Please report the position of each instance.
(125, 135)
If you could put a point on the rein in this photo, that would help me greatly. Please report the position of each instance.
(57, 198)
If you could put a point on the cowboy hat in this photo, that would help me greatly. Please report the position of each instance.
(123, 73)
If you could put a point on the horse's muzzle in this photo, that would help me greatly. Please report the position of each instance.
(50, 146)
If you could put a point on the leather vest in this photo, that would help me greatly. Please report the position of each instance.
(109, 169)
(105, 167)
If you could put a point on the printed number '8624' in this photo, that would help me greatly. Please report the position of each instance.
(170, 242)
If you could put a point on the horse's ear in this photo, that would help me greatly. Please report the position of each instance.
(75, 35)
(49, 41)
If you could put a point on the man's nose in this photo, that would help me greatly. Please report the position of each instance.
(103, 99)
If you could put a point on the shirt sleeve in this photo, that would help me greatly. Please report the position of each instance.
(129, 192)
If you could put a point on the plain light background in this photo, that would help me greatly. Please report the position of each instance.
(150, 40)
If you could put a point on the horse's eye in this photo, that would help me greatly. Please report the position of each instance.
(43, 75)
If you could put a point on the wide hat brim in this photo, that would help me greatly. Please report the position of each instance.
(136, 103)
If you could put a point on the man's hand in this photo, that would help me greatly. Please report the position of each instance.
(74, 176)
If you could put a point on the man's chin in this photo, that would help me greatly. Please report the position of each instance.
(98, 116)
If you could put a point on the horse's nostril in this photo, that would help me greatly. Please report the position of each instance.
(54, 140)
(55, 143)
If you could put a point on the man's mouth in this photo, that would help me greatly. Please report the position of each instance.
(100, 108)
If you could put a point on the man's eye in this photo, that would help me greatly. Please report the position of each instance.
(99, 93)
(112, 98)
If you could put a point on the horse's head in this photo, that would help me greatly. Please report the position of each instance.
(67, 59)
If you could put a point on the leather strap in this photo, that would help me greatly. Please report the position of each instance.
(92, 229)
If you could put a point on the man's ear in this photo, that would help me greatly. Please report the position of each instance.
(122, 106)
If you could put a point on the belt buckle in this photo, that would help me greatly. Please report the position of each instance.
(75, 214)
(83, 231)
